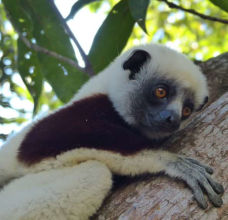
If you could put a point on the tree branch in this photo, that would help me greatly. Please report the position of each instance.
(191, 11)
(88, 66)
(216, 70)
(205, 138)
(50, 53)
(87, 70)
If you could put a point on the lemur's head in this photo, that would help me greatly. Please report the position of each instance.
(156, 89)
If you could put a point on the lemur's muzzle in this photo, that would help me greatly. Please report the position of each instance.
(168, 120)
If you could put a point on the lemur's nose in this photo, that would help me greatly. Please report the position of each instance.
(170, 119)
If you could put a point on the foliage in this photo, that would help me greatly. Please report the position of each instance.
(42, 29)
(138, 10)
(223, 4)
(77, 6)
(7, 70)
(128, 22)
(118, 27)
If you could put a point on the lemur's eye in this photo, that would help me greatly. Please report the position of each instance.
(186, 111)
(160, 92)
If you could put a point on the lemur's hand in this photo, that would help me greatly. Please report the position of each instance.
(198, 178)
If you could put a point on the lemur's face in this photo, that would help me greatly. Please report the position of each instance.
(157, 97)
(159, 106)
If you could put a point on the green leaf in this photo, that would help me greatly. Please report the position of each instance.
(77, 6)
(3, 136)
(223, 4)
(138, 9)
(112, 36)
(95, 6)
(38, 21)
(30, 71)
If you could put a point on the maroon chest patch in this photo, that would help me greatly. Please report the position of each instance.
(91, 123)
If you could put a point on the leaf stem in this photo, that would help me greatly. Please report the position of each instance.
(50, 53)
(88, 66)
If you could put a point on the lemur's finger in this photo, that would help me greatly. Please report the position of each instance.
(197, 193)
(207, 168)
(216, 186)
(206, 182)
(185, 171)
(212, 195)
(197, 178)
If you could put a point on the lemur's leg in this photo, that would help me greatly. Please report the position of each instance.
(9, 165)
(68, 193)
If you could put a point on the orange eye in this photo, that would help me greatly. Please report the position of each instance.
(186, 111)
(161, 92)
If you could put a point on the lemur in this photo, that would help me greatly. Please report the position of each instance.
(61, 166)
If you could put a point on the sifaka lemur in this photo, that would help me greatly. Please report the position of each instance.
(61, 166)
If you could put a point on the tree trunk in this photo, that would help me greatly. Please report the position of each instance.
(206, 139)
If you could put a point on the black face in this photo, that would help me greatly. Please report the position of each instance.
(153, 110)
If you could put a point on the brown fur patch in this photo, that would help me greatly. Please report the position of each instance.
(91, 122)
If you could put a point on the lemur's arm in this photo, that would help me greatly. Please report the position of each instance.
(196, 175)
(121, 149)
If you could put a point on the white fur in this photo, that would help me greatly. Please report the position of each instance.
(67, 187)
(166, 62)
(73, 193)
(146, 161)
(10, 167)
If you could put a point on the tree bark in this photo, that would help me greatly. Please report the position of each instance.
(216, 70)
(206, 139)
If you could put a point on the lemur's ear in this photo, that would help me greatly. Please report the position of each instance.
(203, 104)
(136, 61)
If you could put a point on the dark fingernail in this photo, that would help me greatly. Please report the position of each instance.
(220, 189)
(209, 170)
(203, 205)
(218, 202)
(201, 201)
